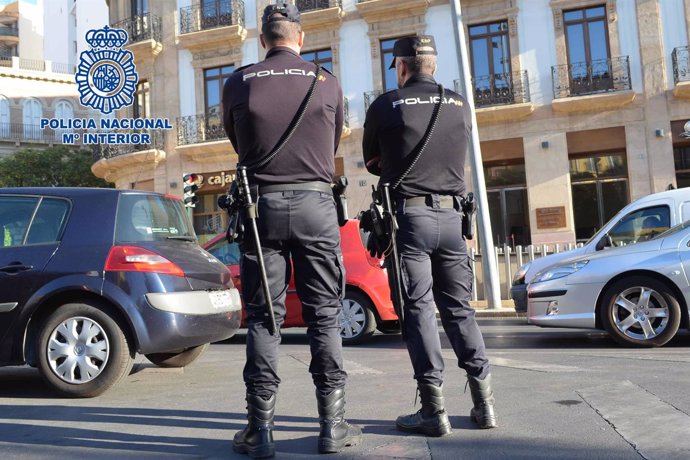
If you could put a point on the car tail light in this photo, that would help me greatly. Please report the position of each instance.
(136, 259)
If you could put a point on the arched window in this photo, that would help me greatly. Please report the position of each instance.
(4, 118)
(31, 117)
(63, 111)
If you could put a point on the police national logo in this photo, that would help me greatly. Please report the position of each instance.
(106, 75)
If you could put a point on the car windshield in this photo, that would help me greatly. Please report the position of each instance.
(148, 217)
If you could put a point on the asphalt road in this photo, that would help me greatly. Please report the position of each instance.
(560, 394)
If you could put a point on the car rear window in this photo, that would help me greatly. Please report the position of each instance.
(146, 217)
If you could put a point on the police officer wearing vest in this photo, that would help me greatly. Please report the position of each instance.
(297, 221)
(436, 271)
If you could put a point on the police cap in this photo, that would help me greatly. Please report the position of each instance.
(282, 11)
(414, 46)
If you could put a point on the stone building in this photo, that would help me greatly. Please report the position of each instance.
(581, 104)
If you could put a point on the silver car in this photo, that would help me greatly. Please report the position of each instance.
(639, 294)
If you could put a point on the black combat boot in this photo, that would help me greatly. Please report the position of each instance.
(256, 439)
(483, 399)
(431, 419)
(335, 433)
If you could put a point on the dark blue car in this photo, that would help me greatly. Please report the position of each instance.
(90, 277)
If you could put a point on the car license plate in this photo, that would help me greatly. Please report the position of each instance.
(220, 300)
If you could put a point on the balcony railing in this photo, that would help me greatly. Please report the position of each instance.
(106, 151)
(346, 112)
(681, 64)
(370, 96)
(196, 129)
(9, 31)
(139, 28)
(20, 132)
(210, 15)
(582, 78)
(311, 5)
(499, 89)
(5, 60)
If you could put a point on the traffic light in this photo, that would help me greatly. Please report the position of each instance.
(192, 183)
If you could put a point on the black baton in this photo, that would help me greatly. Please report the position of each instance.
(250, 208)
(389, 218)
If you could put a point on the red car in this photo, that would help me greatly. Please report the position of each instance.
(367, 305)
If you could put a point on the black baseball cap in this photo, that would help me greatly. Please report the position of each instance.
(283, 11)
(413, 46)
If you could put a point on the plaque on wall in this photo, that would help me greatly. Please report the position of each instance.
(551, 217)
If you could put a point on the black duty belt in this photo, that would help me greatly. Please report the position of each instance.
(302, 186)
(444, 201)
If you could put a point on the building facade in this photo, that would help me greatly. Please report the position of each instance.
(40, 42)
(581, 104)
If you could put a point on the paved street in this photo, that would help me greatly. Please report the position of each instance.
(560, 394)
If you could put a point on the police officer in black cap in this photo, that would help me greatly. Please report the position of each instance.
(436, 271)
(297, 222)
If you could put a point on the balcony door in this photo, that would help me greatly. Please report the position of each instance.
(140, 7)
(587, 42)
(31, 118)
(214, 80)
(4, 118)
(490, 55)
(215, 13)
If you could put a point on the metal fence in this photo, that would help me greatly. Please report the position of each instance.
(311, 5)
(20, 132)
(499, 89)
(582, 78)
(139, 28)
(195, 129)
(508, 261)
(210, 15)
(681, 64)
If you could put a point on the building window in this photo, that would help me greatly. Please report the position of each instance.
(599, 190)
(142, 108)
(209, 221)
(140, 7)
(32, 112)
(490, 55)
(390, 81)
(587, 43)
(4, 118)
(63, 111)
(508, 206)
(214, 79)
(681, 156)
(324, 58)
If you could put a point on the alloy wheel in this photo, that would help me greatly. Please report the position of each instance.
(352, 319)
(640, 313)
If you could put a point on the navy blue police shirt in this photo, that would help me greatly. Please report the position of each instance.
(397, 121)
(260, 101)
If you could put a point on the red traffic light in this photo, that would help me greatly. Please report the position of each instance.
(193, 178)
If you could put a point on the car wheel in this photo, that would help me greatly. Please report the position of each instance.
(181, 359)
(357, 320)
(640, 311)
(82, 351)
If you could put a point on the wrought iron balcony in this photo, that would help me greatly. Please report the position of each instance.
(583, 78)
(346, 112)
(311, 5)
(196, 129)
(139, 28)
(5, 60)
(370, 96)
(499, 89)
(20, 132)
(681, 64)
(6, 31)
(107, 151)
(211, 15)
